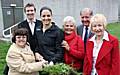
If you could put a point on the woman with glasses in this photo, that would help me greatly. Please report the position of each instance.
(20, 58)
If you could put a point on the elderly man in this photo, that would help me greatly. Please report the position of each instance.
(84, 30)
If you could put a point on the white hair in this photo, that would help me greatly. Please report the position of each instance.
(69, 19)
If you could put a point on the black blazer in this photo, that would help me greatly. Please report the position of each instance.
(31, 38)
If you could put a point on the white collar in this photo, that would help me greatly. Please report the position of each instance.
(105, 37)
(34, 20)
(85, 27)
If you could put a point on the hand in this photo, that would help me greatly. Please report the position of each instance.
(50, 64)
(45, 63)
(38, 57)
(65, 45)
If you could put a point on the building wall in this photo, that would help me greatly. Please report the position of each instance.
(119, 10)
(1, 20)
(12, 12)
(62, 8)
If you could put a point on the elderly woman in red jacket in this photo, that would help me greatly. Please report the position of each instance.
(102, 50)
(73, 44)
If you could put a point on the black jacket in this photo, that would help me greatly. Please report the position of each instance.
(31, 38)
(49, 43)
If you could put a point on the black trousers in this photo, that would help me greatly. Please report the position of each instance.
(6, 69)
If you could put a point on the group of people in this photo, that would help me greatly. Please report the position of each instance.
(88, 48)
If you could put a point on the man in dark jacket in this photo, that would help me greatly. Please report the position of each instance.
(84, 29)
(30, 23)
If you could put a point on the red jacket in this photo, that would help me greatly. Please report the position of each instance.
(107, 62)
(75, 55)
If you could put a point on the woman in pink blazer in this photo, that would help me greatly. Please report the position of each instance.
(102, 50)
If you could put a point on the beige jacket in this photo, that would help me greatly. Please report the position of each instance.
(21, 61)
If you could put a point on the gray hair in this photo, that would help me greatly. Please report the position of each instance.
(86, 10)
(69, 19)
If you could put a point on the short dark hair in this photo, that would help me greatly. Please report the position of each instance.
(45, 8)
(20, 31)
(29, 5)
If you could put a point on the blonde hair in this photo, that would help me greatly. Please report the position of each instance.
(98, 18)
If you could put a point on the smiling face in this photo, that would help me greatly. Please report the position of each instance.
(21, 40)
(46, 17)
(98, 28)
(98, 24)
(30, 12)
(85, 18)
(69, 27)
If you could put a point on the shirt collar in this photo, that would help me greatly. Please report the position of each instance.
(105, 37)
(34, 20)
(85, 27)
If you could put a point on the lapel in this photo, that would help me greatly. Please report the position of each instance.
(90, 34)
(27, 26)
(105, 49)
(81, 32)
(89, 48)
(38, 26)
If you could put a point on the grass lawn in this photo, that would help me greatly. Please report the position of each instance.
(3, 50)
(113, 28)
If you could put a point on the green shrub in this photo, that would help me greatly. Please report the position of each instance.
(58, 69)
